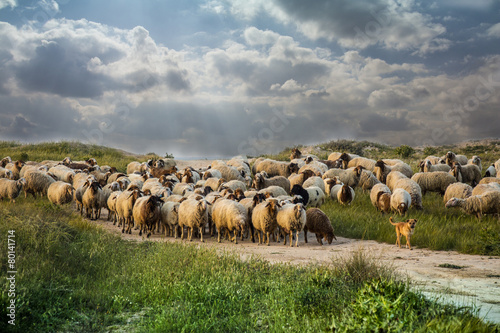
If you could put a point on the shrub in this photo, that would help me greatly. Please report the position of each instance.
(404, 151)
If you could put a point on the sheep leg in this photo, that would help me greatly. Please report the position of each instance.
(296, 239)
(259, 234)
(318, 237)
(235, 236)
(182, 233)
(268, 235)
(201, 233)
(305, 234)
(218, 235)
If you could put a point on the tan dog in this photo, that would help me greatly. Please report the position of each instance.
(404, 228)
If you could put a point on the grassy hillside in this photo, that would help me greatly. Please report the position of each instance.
(74, 277)
(75, 150)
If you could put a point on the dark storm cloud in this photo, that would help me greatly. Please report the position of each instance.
(61, 71)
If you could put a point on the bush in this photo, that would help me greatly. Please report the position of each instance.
(404, 151)
(430, 151)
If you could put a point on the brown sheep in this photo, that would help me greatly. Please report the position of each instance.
(318, 223)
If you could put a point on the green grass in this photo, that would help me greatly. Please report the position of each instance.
(437, 228)
(74, 277)
(75, 150)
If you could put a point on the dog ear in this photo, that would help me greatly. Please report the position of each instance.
(407, 221)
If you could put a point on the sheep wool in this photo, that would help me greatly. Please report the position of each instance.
(318, 223)
(11, 188)
(229, 215)
(400, 201)
(345, 195)
(413, 189)
(264, 219)
(484, 188)
(488, 203)
(60, 193)
(290, 218)
(37, 182)
(457, 190)
(374, 193)
(193, 214)
(436, 181)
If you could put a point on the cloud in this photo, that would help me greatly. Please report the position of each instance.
(396, 25)
(256, 92)
(494, 31)
(7, 3)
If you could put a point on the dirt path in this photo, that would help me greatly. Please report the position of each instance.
(477, 282)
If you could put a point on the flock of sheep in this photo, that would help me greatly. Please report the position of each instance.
(234, 200)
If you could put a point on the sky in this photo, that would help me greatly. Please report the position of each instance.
(224, 78)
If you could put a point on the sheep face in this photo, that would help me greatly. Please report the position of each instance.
(453, 202)
(293, 168)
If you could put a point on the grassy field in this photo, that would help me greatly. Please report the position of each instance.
(73, 277)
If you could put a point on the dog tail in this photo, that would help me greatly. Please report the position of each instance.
(392, 222)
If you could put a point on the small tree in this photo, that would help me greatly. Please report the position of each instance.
(404, 151)
(167, 155)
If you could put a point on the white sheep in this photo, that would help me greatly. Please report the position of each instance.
(349, 176)
(366, 163)
(273, 191)
(315, 181)
(261, 182)
(300, 178)
(63, 173)
(436, 181)
(11, 188)
(488, 180)
(212, 173)
(228, 172)
(413, 189)
(276, 168)
(183, 189)
(290, 218)
(124, 206)
(382, 169)
(15, 168)
(60, 193)
(316, 196)
(233, 185)
(488, 203)
(483, 188)
(367, 180)
(229, 215)
(400, 201)
(6, 173)
(380, 196)
(392, 178)
(477, 161)
(429, 167)
(193, 214)
(105, 193)
(497, 166)
(378, 188)
(435, 159)
(111, 204)
(241, 164)
(170, 218)
(137, 167)
(469, 173)
(457, 190)
(451, 157)
(91, 200)
(490, 171)
(264, 219)
(37, 182)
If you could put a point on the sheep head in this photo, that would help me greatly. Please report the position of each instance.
(298, 210)
(422, 164)
(308, 159)
(307, 174)
(258, 181)
(296, 153)
(357, 171)
(293, 168)
(454, 202)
